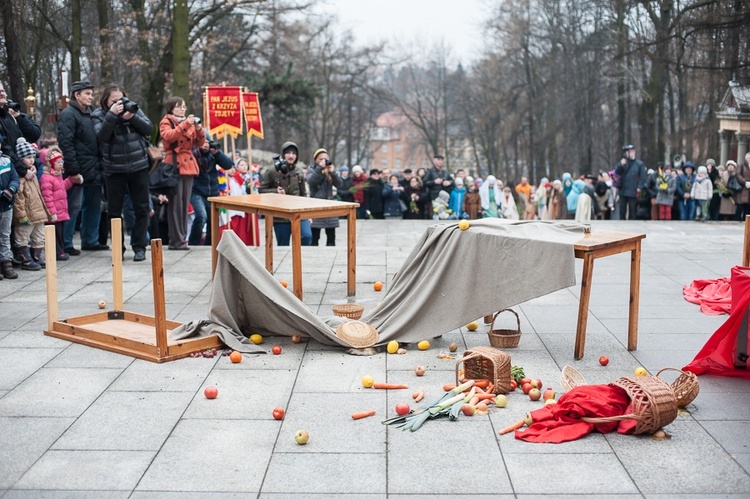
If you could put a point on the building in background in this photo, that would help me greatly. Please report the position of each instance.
(396, 144)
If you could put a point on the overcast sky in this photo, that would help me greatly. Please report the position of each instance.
(408, 22)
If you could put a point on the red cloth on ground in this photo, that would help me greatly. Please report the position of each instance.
(713, 295)
(561, 422)
(721, 353)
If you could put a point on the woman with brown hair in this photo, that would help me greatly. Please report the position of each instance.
(180, 134)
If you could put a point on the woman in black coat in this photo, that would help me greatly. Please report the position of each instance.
(417, 200)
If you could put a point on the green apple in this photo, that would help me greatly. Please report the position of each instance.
(302, 437)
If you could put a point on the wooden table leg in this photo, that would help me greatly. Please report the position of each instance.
(269, 243)
(50, 248)
(351, 256)
(160, 306)
(583, 304)
(214, 237)
(635, 284)
(116, 229)
(296, 257)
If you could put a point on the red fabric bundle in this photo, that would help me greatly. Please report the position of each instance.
(725, 352)
(713, 295)
(561, 422)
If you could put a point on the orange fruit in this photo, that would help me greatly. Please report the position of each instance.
(235, 357)
(378, 286)
(283, 283)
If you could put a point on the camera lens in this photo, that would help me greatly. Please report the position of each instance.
(198, 121)
(328, 162)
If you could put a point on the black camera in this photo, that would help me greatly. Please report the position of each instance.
(281, 164)
(129, 106)
(328, 162)
(214, 144)
(16, 106)
(197, 121)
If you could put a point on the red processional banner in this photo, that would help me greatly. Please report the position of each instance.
(253, 121)
(224, 111)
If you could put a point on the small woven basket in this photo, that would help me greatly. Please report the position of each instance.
(686, 386)
(505, 338)
(349, 310)
(652, 401)
(570, 378)
(357, 334)
(486, 363)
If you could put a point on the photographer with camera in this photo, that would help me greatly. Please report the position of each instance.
(13, 125)
(210, 159)
(180, 134)
(633, 178)
(322, 178)
(123, 131)
(286, 178)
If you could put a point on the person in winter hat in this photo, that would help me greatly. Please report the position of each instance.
(701, 192)
(9, 185)
(55, 193)
(29, 213)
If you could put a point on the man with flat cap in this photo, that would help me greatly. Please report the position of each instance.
(437, 178)
(77, 139)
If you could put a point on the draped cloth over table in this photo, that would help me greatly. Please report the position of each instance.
(726, 351)
(450, 278)
(713, 295)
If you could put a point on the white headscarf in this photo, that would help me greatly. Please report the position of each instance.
(484, 192)
(509, 208)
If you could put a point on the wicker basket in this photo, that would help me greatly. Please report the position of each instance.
(570, 378)
(357, 334)
(505, 338)
(653, 404)
(486, 363)
(349, 310)
(686, 386)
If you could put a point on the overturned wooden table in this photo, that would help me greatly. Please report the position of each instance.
(598, 244)
(294, 208)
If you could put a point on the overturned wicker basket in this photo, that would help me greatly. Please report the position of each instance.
(505, 338)
(571, 378)
(686, 386)
(357, 334)
(486, 363)
(349, 310)
(652, 402)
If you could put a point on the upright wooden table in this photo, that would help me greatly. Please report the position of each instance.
(295, 208)
(598, 244)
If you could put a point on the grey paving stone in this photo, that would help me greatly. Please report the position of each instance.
(694, 496)
(327, 418)
(594, 474)
(339, 477)
(438, 447)
(23, 441)
(579, 496)
(108, 424)
(722, 384)
(233, 453)
(65, 494)
(655, 360)
(290, 357)
(337, 372)
(86, 470)
(183, 375)
(24, 338)
(713, 406)
(744, 460)
(191, 495)
(663, 467)
(731, 435)
(17, 364)
(283, 495)
(77, 355)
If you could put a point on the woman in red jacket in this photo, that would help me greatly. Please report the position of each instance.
(179, 134)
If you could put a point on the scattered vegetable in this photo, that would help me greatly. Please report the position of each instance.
(365, 414)
(389, 386)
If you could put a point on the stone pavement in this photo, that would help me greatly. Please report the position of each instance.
(81, 422)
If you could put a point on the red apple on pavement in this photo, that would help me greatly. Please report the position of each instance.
(549, 393)
(296, 338)
(513, 385)
(535, 394)
(604, 360)
(402, 409)
(536, 383)
(468, 409)
(211, 392)
(276, 350)
(278, 413)
(524, 381)
(527, 388)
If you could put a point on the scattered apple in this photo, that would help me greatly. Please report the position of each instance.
(527, 388)
(641, 371)
(301, 437)
(528, 419)
(419, 370)
(524, 381)
(276, 350)
(235, 357)
(278, 413)
(463, 224)
(368, 381)
(501, 400)
(296, 338)
(472, 326)
(392, 346)
(513, 385)
(378, 286)
(423, 345)
(604, 360)
(550, 401)
(102, 304)
(211, 392)
(256, 338)
(402, 409)
(549, 393)
(536, 383)
(284, 283)
(453, 347)
(468, 409)
(535, 394)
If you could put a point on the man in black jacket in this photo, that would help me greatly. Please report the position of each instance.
(14, 125)
(206, 184)
(374, 195)
(437, 178)
(633, 174)
(77, 139)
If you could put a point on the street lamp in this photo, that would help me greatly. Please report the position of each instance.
(30, 101)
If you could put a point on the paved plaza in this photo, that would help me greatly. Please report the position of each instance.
(81, 422)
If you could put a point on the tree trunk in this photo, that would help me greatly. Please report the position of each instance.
(75, 41)
(180, 51)
(15, 71)
(106, 55)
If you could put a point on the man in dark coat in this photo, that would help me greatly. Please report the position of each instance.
(14, 125)
(206, 184)
(374, 195)
(80, 146)
(437, 178)
(633, 174)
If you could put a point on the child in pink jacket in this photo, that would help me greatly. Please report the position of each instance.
(54, 191)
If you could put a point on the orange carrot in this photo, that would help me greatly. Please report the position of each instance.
(415, 395)
(389, 386)
(365, 414)
(491, 387)
(512, 427)
(420, 396)
(485, 396)
(478, 389)
(448, 387)
(481, 383)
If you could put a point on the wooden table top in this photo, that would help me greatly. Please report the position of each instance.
(281, 203)
(601, 238)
